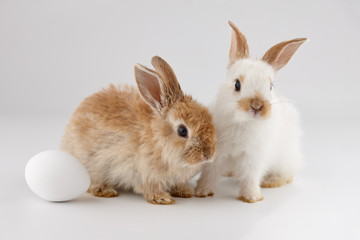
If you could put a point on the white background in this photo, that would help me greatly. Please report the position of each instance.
(55, 53)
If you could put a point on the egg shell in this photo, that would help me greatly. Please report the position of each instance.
(56, 176)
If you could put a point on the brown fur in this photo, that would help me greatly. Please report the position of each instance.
(172, 92)
(246, 103)
(210, 194)
(119, 132)
(182, 190)
(241, 78)
(154, 193)
(228, 174)
(239, 47)
(103, 191)
(207, 149)
(162, 198)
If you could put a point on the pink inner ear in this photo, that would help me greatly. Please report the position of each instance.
(279, 55)
(149, 86)
(153, 86)
(285, 55)
(238, 47)
(233, 48)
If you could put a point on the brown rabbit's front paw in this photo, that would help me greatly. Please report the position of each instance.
(100, 190)
(228, 174)
(162, 198)
(182, 191)
(203, 192)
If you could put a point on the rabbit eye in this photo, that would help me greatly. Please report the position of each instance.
(237, 85)
(271, 86)
(182, 131)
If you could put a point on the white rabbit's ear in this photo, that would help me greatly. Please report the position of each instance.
(171, 90)
(239, 47)
(148, 82)
(279, 55)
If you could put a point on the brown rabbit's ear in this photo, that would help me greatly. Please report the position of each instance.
(239, 47)
(148, 82)
(171, 90)
(279, 55)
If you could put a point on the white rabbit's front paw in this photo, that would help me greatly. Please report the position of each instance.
(250, 196)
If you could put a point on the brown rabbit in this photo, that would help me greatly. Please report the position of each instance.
(152, 141)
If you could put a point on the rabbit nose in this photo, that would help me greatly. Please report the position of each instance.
(256, 104)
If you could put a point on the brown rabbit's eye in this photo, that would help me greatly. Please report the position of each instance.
(237, 85)
(182, 131)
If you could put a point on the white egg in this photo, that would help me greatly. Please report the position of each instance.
(56, 176)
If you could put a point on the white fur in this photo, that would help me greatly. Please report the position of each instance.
(250, 146)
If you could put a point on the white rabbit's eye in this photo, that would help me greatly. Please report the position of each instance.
(237, 85)
(271, 86)
(182, 131)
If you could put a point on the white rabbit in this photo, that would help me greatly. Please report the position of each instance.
(258, 131)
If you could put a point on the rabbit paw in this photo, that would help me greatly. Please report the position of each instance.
(100, 190)
(275, 180)
(182, 191)
(250, 196)
(203, 191)
(162, 198)
(228, 174)
(250, 199)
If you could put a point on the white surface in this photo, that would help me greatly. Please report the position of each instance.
(322, 202)
(55, 53)
(56, 176)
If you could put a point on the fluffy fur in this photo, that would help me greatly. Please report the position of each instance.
(128, 139)
(258, 131)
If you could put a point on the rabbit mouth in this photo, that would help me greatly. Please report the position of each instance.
(259, 114)
(197, 161)
(209, 160)
(197, 164)
(256, 113)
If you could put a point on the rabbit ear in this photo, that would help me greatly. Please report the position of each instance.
(279, 55)
(148, 82)
(171, 90)
(239, 47)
